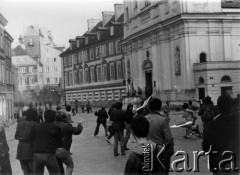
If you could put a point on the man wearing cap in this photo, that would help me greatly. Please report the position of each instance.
(46, 138)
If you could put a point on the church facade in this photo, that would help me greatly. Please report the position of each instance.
(182, 50)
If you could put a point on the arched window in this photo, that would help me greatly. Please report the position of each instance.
(203, 57)
(226, 78)
(201, 80)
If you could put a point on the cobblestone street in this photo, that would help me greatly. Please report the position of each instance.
(93, 155)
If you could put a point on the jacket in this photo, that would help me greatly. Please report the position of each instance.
(118, 118)
(67, 131)
(46, 138)
(4, 149)
(24, 148)
(129, 116)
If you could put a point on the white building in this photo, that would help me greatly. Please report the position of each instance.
(183, 49)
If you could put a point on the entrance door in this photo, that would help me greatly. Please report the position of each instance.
(201, 93)
(148, 88)
(226, 90)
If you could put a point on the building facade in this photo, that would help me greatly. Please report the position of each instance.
(182, 49)
(39, 65)
(93, 65)
(6, 80)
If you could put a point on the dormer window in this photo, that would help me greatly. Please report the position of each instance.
(111, 30)
(78, 43)
(30, 42)
(98, 35)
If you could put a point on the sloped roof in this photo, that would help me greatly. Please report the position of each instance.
(19, 51)
(230, 3)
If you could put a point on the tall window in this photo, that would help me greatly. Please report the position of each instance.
(70, 78)
(30, 69)
(55, 68)
(203, 57)
(48, 80)
(70, 60)
(103, 50)
(54, 59)
(104, 76)
(46, 69)
(118, 46)
(119, 70)
(98, 35)
(76, 79)
(55, 80)
(80, 76)
(75, 59)
(177, 62)
(85, 55)
(112, 30)
(112, 71)
(66, 79)
(91, 54)
(110, 48)
(97, 52)
(65, 61)
(92, 74)
(98, 70)
(80, 57)
(86, 75)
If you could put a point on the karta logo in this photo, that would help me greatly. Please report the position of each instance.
(148, 157)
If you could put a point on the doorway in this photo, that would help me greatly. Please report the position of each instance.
(149, 86)
(226, 90)
(201, 93)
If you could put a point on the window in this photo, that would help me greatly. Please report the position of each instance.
(85, 55)
(86, 75)
(97, 52)
(30, 42)
(98, 71)
(35, 79)
(98, 35)
(66, 79)
(119, 70)
(78, 43)
(112, 30)
(118, 46)
(55, 80)
(55, 68)
(54, 59)
(1, 39)
(27, 81)
(201, 80)
(80, 57)
(112, 71)
(46, 69)
(75, 59)
(135, 8)
(110, 48)
(92, 74)
(177, 62)
(31, 80)
(226, 79)
(30, 69)
(103, 50)
(104, 76)
(203, 57)
(80, 76)
(70, 78)
(70, 60)
(91, 54)
(86, 40)
(48, 80)
(65, 61)
(76, 77)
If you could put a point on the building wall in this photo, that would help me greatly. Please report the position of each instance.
(165, 31)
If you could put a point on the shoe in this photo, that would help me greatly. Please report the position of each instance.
(126, 148)
(123, 154)
(186, 137)
(108, 140)
(116, 154)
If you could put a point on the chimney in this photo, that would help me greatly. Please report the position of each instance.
(118, 10)
(106, 16)
(92, 23)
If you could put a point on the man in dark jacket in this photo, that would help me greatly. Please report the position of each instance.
(222, 134)
(118, 118)
(101, 119)
(24, 149)
(128, 119)
(5, 165)
(63, 153)
(46, 138)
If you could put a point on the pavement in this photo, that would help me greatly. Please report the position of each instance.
(93, 155)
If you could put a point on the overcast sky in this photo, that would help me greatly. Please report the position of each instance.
(65, 18)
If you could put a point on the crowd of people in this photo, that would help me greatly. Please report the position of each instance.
(45, 137)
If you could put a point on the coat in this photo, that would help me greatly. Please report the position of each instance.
(118, 118)
(24, 148)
